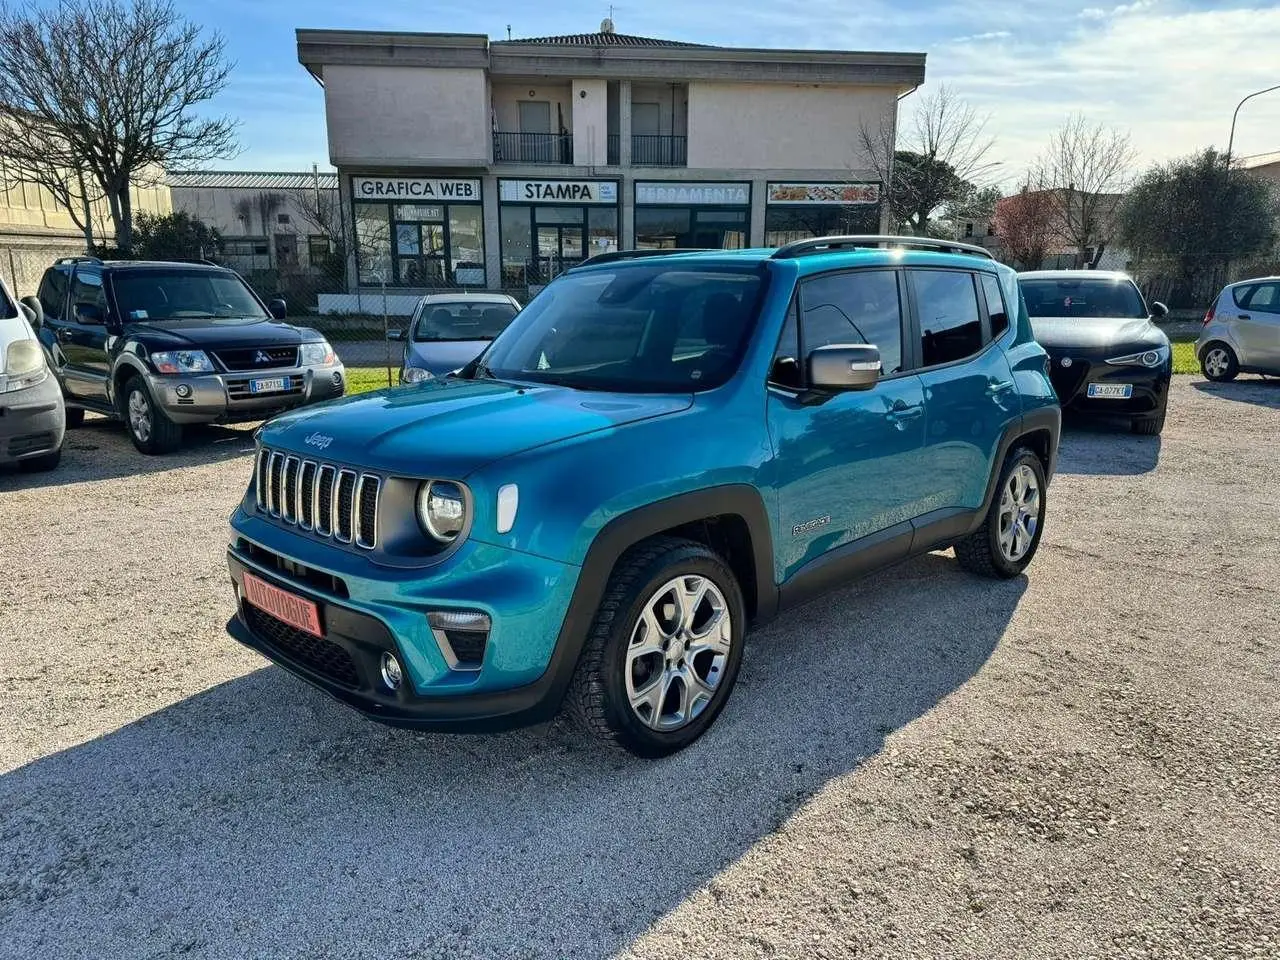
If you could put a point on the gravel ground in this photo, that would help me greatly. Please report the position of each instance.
(1080, 763)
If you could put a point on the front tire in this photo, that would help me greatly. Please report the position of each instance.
(1010, 534)
(1219, 363)
(151, 431)
(664, 649)
(75, 417)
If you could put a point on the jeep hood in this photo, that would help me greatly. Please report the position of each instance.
(449, 428)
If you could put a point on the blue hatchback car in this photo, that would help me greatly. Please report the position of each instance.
(658, 453)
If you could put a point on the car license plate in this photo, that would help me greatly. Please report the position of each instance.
(270, 385)
(1110, 391)
(283, 605)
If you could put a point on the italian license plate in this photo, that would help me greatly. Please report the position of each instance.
(269, 385)
(283, 605)
(1110, 391)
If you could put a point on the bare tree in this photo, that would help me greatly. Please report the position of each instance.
(111, 87)
(937, 158)
(1086, 168)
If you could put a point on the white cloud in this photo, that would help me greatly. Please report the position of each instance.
(1099, 13)
(983, 37)
(1157, 75)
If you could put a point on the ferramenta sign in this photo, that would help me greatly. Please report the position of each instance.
(414, 188)
(558, 191)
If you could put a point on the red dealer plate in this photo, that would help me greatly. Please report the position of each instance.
(283, 605)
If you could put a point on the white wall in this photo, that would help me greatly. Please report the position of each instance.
(672, 111)
(590, 122)
(507, 95)
(239, 213)
(398, 115)
(779, 126)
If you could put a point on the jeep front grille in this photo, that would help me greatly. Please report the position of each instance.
(328, 500)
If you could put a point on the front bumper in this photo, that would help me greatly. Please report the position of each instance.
(32, 421)
(227, 398)
(366, 611)
(1150, 386)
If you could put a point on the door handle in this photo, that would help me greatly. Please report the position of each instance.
(1243, 316)
(997, 387)
(63, 334)
(901, 411)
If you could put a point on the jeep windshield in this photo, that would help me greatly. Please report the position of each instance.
(462, 321)
(1092, 297)
(178, 294)
(640, 328)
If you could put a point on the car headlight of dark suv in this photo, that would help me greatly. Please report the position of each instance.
(444, 509)
(1147, 358)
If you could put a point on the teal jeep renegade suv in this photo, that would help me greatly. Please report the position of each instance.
(658, 453)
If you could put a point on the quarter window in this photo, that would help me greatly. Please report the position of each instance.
(857, 307)
(53, 293)
(1264, 297)
(995, 305)
(950, 325)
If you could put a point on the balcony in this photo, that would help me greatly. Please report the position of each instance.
(614, 145)
(660, 150)
(533, 148)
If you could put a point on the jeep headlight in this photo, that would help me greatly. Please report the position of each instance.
(1147, 358)
(318, 353)
(181, 361)
(416, 375)
(24, 365)
(442, 510)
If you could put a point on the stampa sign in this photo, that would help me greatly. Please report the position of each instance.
(558, 191)
(414, 188)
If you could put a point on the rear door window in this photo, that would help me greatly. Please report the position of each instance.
(950, 323)
(1264, 297)
(86, 287)
(53, 293)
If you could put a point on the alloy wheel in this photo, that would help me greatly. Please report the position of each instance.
(1216, 362)
(139, 416)
(678, 652)
(1019, 513)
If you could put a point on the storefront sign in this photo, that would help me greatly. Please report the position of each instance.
(693, 194)
(415, 188)
(558, 191)
(824, 193)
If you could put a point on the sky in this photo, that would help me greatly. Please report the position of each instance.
(1168, 72)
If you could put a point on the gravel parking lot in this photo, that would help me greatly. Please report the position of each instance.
(1081, 763)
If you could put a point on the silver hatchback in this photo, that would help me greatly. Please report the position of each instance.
(1242, 331)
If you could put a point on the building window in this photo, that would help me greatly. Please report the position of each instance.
(671, 227)
(542, 239)
(286, 250)
(282, 218)
(420, 244)
(318, 249)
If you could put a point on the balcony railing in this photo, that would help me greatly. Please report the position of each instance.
(532, 148)
(650, 150)
(614, 145)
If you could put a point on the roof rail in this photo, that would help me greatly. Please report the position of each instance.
(615, 255)
(81, 259)
(827, 244)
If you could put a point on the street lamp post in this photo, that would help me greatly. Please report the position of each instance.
(1232, 139)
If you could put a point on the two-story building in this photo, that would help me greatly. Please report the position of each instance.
(498, 164)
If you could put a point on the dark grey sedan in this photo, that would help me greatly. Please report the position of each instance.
(449, 330)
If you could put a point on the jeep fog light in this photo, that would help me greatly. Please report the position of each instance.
(461, 635)
(391, 674)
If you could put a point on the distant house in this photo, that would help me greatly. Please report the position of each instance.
(284, 222)
(1063, 253)
(1265, 166)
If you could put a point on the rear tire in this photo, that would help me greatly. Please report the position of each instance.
(1010, 534)
(1148, 426)
(75, 417)
(664, 649)
(1218, 362)
(42, 463)
(151, 431)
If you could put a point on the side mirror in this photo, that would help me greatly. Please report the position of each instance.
(278, 308)
(395, 334)
(844, 367)
(34, 310)
(89, 314)
(1158, 310)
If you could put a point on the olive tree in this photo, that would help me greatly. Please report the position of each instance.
(97, 96)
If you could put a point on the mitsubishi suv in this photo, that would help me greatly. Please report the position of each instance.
(162, 345)
(658, 453)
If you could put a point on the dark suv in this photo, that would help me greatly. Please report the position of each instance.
(160, 345)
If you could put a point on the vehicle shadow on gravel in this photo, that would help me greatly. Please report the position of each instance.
(261, 818)
(1105, 446)
(1255, 390)
(100, 449)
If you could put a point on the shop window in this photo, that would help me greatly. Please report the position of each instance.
(373, 243)
(786, 224)
(466, 245)
(669, 227)
(517, 245)
(602, 229)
